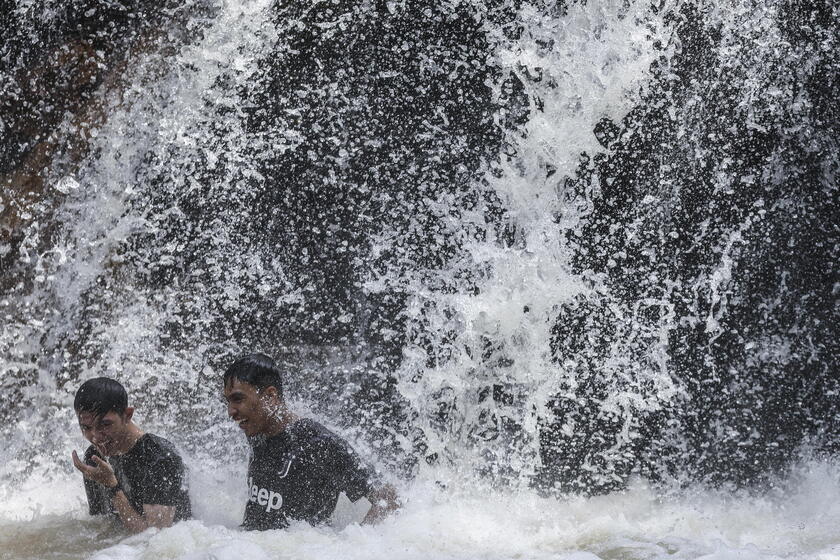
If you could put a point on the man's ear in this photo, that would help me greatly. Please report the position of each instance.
(129, 412)
(270, 393)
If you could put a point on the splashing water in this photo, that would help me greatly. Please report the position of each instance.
(513, 251)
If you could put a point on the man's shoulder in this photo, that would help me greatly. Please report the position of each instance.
(313, 438)
(308, 428)
(154, 446)
(155, 440)
(305, 437)
(308, 431)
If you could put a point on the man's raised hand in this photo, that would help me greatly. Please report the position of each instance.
(101, 472)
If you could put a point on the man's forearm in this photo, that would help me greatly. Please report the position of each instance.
(131, 519)
(158, 516)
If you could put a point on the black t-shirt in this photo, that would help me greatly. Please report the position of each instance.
(151, 472)
(298, 475)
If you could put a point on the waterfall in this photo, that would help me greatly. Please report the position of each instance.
(549, 244)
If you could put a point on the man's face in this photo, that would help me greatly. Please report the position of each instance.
(250, 408)
(108, 433)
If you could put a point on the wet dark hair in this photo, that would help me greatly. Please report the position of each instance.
(258, 370)
(100, 396)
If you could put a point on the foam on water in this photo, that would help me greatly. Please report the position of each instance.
(800, 519)
(179, 129)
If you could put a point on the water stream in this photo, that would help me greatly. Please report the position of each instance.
(564, 271)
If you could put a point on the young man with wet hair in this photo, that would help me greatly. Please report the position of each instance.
(135, 476)
(298, 467)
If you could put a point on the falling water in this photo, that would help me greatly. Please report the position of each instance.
(565, 272)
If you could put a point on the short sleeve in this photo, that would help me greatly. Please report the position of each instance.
(162, 480)
(349, 472)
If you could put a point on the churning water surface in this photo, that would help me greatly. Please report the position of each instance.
(518, 252)
(799, 519)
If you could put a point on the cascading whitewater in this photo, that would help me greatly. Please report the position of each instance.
(512, 240)
(718, 189)
(486, 370)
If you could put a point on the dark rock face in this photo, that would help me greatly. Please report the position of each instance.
(350, 153)
(61, 63)
(719, 213)
(352, 158)
(361, 118)
(58, 64)
(394, 109)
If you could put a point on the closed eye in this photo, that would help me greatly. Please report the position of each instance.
(235, 398)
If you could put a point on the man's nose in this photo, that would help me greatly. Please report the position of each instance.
(232, 410)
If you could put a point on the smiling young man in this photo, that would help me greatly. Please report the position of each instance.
(135, 476)
(298, 467)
